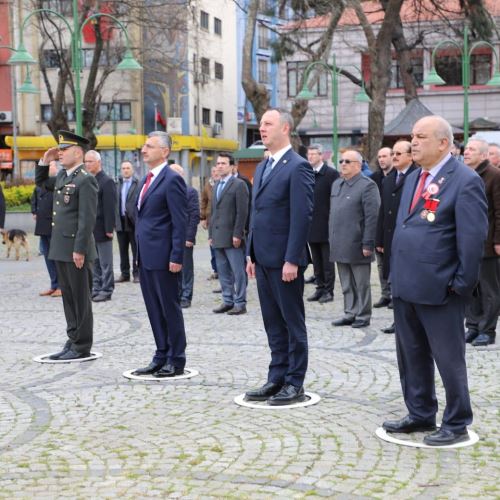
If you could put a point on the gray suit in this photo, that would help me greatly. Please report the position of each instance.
(354, 210)
(227, 221)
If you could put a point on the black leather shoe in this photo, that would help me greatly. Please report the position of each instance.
(288, 395)
(263, 393)
(217, 290)
(71, 354)
(169, 370)
(148, 370)
(390, 305)
(65, 349)
(444, 437)
(223, 308)
(389, 329)
(359, 323)
(315, 296)
(101, 298)
(343, 322)
(236, 311)
(470, 335)
(122, 279)
(136, 279)
(382, 302)
(407, 424)
(326, 297)
(483, 339)
(185, 303)
(310, 280)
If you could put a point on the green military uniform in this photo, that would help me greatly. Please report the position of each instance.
(74, 215)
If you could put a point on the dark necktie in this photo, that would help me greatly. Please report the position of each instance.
(419, 190)
(400, 178)
(220, 187)
(146, 185)
(267, 169)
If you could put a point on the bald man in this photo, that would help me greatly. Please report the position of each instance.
(494, 154)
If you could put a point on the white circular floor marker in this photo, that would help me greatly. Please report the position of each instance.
(389, 437)
(44, 358)
(188, 373)
(311, 399)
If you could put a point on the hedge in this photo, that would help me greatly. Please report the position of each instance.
(17, 195)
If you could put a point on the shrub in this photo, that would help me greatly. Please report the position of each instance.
(18, 195)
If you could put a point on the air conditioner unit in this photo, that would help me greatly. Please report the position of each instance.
(216, 128)
(5, 116)
(200, 78)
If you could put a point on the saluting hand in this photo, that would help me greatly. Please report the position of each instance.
(50, 155)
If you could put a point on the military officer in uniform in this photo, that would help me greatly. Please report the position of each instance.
(72, 245)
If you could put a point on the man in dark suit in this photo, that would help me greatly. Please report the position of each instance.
(436, 252)
(483, 309)
(226, 234)
(42, 201)
(324, 270)
(277, 252)
(126, 213)
(104, 280)
(161, 238)
(72, 244)
(392, 189)
(2, 209)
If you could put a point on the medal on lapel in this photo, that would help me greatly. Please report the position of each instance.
(430, 207)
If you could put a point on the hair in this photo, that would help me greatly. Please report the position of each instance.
(358, 155)
(494, 145)
(406, 143)
(318, 147)
(385, 147)
(225, 154)
(177, 168)
(94, 153)
(165, 139)
(285, 117)
(127, 161)
(483, 145)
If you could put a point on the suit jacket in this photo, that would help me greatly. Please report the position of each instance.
(161, 221)
(41, 206)
(378, 178)
(430, 259)
(248, 183)
(282, 209)
(193, 214)
(2, 208)
(229, 213)
(390, 200)
(74, 212)
(354, 207)
(128, 222)
(106, 206)
(206, 201)
(324, 178)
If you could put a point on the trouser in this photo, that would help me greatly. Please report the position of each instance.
(426, 334)
(50, 264)
(104, 280)
(355, 282)
(76, 287)
(186, 291)
(385, 286)
(213, 262)
(126, 239)
(232, 275)
(324, 270)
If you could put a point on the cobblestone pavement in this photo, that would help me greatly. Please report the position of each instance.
(84, 431)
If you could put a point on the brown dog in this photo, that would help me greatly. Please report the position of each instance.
(16, 238)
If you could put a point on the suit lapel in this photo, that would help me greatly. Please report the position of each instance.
(224, 191)
(155, 184)
(274, 172)
(64, 179)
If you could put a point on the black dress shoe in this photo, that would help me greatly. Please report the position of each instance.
(483, 339)
(390, 305)
(326, 297)
(407, 424)
(223, 308)
(236, 311)
(169, 370)
(359, 323)
(65, 349)
(136, 279)
(122, 279)
(470, 335)
(343, 322)
(263, 393)
(101, 298)
(288, 395)
(382, 302)
(315, 296)
(389, 329)
(148, 370)
(185, 303)
(310, 280)
(217, 290)
(444, 437)
(71, 354)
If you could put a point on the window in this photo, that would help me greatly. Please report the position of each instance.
(267, 7)
(294, 72)
(219, 71)
(449, 68)
(219, 118)
(263, 69)
(63, 7)
(46, 112)
(205, 66)
(51, 58)
(122, 110)
(417, 65)
(217, 26)
(264, 39)
(204, 20)
(205, 116)
(195, 114)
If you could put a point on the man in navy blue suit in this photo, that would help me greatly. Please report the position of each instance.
(277, 256)
(436, 252)
(161, 236)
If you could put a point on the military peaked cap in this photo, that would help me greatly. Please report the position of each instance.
(68, 139)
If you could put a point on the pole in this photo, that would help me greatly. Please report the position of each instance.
(115, 152)
(15, 150)
(335, 101)
(76, 67)
(466, 82)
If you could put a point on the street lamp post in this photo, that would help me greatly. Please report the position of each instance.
(306, 94)
(22, 56)
(434, 79)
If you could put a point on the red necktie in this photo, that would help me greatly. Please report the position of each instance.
(419, 191)
(146, 185)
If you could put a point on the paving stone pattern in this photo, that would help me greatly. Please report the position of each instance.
(83, 431)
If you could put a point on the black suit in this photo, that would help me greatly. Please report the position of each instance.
(125, 226)
(2, 209)
(324, 270)
(390, 198)
(247, 181)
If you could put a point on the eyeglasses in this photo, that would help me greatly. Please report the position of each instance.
(348, 162)
(397, 153)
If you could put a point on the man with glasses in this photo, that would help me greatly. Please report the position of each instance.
(354, 207)
(392, 188)
(72, 244)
